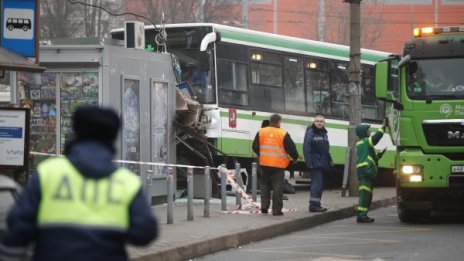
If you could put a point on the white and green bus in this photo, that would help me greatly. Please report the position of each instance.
(251, 75)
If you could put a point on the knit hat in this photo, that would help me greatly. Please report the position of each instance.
(361, 130)
(95, 123)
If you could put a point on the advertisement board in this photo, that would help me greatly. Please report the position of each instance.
(14, 137)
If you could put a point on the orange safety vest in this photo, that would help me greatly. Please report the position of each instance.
(271, 148)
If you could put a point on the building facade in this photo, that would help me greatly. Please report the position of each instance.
(385, 24)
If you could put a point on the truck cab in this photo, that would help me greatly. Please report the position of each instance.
(424, 93)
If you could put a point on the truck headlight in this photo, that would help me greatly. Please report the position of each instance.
(411, 169)
(415, 178)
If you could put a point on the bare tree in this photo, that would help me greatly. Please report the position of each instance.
(185, 11)
(62, 19)
(222, 10)
(57, 19)
(339, 22)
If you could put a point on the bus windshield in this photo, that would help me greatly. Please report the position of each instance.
(435, 79)
(184, 43)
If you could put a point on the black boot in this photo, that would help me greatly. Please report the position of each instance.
(317, 209)
(365, 219)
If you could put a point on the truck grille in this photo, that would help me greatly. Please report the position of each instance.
(456, 181)
(444, 134)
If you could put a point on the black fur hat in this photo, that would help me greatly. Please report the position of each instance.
(95, 123)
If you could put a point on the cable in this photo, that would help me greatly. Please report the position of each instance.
(113, 14)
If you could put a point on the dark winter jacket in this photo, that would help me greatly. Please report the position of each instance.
(316, 148)
(93, 160)
(366, 157)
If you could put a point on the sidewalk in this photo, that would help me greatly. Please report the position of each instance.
(186, 240)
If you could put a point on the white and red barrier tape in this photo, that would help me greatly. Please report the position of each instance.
(285, 210)
(254, 207)
(230, 180)
(130, 162)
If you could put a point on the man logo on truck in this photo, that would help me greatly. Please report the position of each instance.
(18, 23)
(452, 135)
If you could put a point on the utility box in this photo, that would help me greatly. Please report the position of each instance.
(140, 85)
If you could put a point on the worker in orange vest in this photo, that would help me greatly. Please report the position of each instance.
(275, 148)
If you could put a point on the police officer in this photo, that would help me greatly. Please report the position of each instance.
(82, 206)
(273, 146)
(366, 167)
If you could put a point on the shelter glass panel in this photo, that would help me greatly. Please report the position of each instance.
(76, 89)
(38, 92)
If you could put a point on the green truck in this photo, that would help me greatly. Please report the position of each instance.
(423, 91)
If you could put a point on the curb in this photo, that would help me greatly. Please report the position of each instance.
(209, 246)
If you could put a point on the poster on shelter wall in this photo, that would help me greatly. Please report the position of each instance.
(159, 124)
(14, 137)
(131, 124)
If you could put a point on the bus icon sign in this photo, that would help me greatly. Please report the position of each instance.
(18, 23)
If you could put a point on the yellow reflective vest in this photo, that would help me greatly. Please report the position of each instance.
(272, 151)
(70, 199)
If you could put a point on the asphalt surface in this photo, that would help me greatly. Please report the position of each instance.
(438, 238)
(186, 240)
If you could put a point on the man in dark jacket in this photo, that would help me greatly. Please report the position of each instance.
(274, 147)
(367, 161)
(317, 157)
(82, 206)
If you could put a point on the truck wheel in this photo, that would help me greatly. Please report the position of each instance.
(412, 216)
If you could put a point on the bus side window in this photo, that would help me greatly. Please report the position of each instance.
(232, 74)
(267, 81)
(294, 85)
(339, 91)
(317, 74)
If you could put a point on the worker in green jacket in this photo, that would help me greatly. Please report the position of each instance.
(366, 167)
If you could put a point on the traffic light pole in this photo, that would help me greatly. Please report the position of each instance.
(354, 88)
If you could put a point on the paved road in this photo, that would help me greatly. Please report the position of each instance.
(439, 238)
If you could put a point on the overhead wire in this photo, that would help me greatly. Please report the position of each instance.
(114, 14)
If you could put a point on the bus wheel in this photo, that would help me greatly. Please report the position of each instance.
(412, 216)
(10, 28)
(25, 28)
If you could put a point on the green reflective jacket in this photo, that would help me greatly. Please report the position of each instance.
(366, 157)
